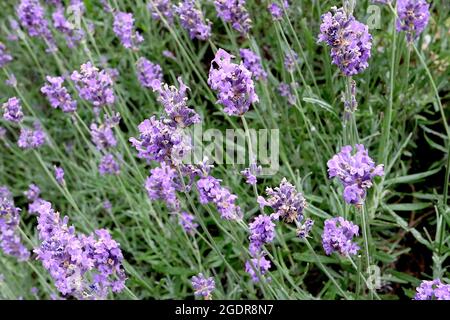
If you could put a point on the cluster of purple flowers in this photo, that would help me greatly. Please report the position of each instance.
(12, 110)
(102, 135)
(33, 195)
(286, 90)
(233, 82)
(187, 222)
(287, 203)
(349, 39)
(305, 228)
(355, 172)
(163, 183)
(413, 17)
(149, 73)
(161, 8)
(32, 138)
(192, 20)
(262, 231)
(123, 28)
(234, 12)
(5, 58)
(250, 173)
(276, 10)
(108, 165)
(10, 241)
(32, 17)
(290, 60)
(337, 236)
(84, 267)
(72, 34)
(433, 290)
(174, 101)
(253, 63)
(59, 175)
(256, 267)
(203, 286)
(93, 85)
(211, 190)
(57, 94)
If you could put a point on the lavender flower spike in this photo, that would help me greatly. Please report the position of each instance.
(233, 82)
(192, 20)
(161, 9)
(5, 58)
(149, 73)
(433, 290)
(257, 265)
(123, 28)
(234, 12)
(108, 165)
(262, 231)
(253, 63)
(413, 17)
(349, 39)
(59, 175)
(355, 171)
(31, 139)
(203, 286)
(57, 95)
(338, 235)
(186, 221)
(12, 110)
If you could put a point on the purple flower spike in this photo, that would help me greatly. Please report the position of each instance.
(192, 20)
(108, 165)
(5, 58)
(305, 228)
(93, 85)
(163, 183)
(175, 104)
(123, 28)
(251, 173)
(286, 90)
(161, 8)
(287, 203)
(12, 110)
(203, 286)
(57, 95)
(276, 10)
(10, 242)
(33, 192)
(31, 139)
(234, 12)
(257, 266)
(262, 231)
(433, 290)
(349, 39)
(413, 17)
(149, 74)
(291, 60)
(338, 235)
(187, 222)
(73, 35)
(210, 190)
(233, 82)
(355, 172)
(253, 63)
(59, 175)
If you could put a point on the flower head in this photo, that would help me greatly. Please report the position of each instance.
(251, 172)
(31, 139)
(57, 94)
(276, 10)
(413, 17)
(338, 235)
(108, 165)
(174, 102)
(192, 20)
(290, 60)
(234, 12)
(161, 8)
(233, 82)
(187, 222)
(287, 203)
(256, 267)
(12, 110)
(286, 90)
(355, 172)
(149, 73)
(94, 85)
(433, 290)
(33, 192)
(5, 58)
(253, 63)
(32, 17)
(210, 190)
(262, 231)
(305, 228)
(123, 28)
(163, 183)
(203, 286)
(59, 175)
(349, 39)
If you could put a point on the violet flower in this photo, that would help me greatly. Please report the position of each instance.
(163, 183)
(57, 94)
(31, 139)
(256, 267)
(192, 20)
(123, 28)
(355, 172)
(12, 110)
(413, 17)
(349, 39)
(108, 165)
(187, 222)
(233, 82)
(433, 290)
(338, 235)
(234, 12)
(149, 73)
(253, 63)
(161, 8)
(5, 58)
(203, 286)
